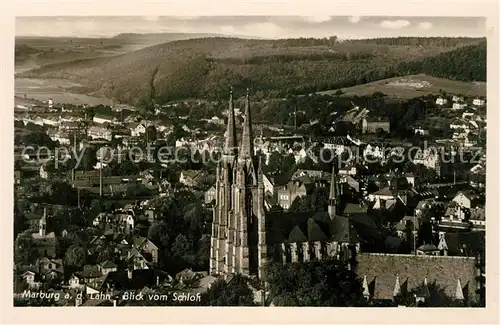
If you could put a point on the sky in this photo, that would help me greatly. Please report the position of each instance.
(345, 27)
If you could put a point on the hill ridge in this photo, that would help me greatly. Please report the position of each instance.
(206, 67)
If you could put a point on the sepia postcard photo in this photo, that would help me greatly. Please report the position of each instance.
(265, 160)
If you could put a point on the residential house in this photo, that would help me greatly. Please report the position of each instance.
(467, 199)
(97, 132)
(107, 267)
(74, 282)
(408, 227)
(478, 218)
(427, 205)
(136, 260)
(89, 273)
(468, 244)
(217, 120)
(44, 172)
(68, 125)
(137, 129)
(147, 248)
(456, 217)
(126, 223)
(269, 185)
(191, 178)
(348, 170)
(383, 194)
(187, 276)
(428, 249)
(411, 179)
(427, 157)
(50, 268)
(17, 177)
(421, 131)
(38, 121)
(478, 102)
(297, 188)
(372, 125)
(373, 151)
(457, 98)
(51, 121)
(393, 209)
(351, 182)
(301, 155)
(30, 278)
(102, 119)
(210, 195)
(441, 101)
(60, 136)
(458, 106)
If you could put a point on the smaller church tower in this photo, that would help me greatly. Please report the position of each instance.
(332, 200)
(42, 225)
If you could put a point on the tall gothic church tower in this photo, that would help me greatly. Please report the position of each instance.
(238, 243)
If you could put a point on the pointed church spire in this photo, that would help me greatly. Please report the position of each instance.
(333, 184)
(366, 290)
(246, 137)
(426, 288)
(397, 287)
(42, 226)
(332, 200)
(459, 294)
(230, 147)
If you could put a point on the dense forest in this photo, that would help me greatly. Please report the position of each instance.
(204, 68)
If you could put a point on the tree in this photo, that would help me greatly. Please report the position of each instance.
(158, 232)
(320, 283)
(235, 293)
(151, 134)
(137, 190)
(75, 256)
(126, 167)
(58, 192)
(182, 249)
(88, 159)
(38, 139)
(25, 252)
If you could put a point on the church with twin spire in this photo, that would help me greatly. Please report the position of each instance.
(245, 235)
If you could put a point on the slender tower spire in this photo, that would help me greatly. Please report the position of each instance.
(231, 146)
(332, 200)
(246, 137)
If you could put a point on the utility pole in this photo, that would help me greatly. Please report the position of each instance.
(295, 117)
(415, 233)
(100, 177)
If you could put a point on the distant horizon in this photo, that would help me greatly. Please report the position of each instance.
(238, 36)
(260, 27)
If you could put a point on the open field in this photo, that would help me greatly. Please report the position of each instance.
(60, 91)
(414, 86)
(39, 51)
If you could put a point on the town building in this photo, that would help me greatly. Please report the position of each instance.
(441, 101)
(97, 132)
(373, 125)
(245, 235)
